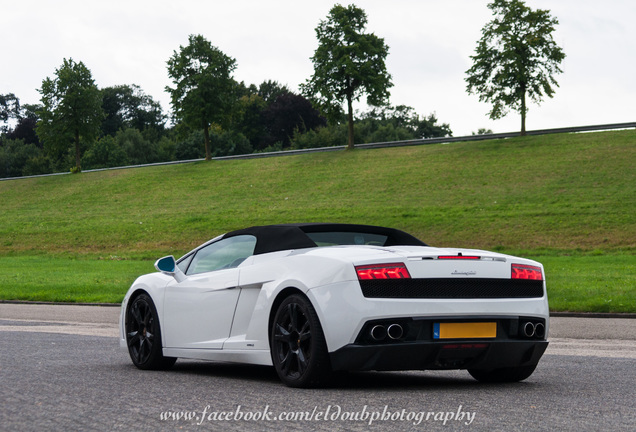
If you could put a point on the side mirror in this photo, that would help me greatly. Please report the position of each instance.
(168, 265)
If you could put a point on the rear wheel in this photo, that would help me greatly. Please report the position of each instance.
(143, 335)
(502, 375)
(298, 347)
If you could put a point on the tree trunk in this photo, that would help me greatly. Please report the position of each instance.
(350, 122)
(78, 159)
(206, 134)
(523, 112)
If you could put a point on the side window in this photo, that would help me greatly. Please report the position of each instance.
(184, 262)
(223, 254)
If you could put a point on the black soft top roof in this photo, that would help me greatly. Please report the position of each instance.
(274, 238)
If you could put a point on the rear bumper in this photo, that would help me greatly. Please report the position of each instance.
(463, 354)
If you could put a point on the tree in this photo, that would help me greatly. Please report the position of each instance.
(483, 131)
(25, 127)
(139, 150)
(127, 106)
(248, 119)
(204, 91)
(9, 106)
(405, 117)
(516, 58)
(347, 64)
(105, 152)
(14, 155)
(288, 113)
(269, 90)
(71, 109)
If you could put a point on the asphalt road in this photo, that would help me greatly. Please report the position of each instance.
(61, 369)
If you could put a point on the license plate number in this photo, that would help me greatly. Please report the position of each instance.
(474, 330)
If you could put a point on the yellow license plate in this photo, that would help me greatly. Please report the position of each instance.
(464, 330)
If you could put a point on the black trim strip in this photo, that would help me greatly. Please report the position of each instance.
(452, 288)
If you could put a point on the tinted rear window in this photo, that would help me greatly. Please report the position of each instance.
(347, 238)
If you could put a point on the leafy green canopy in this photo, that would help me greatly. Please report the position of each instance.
(9, 107)
(515, 58)
(204, 91)
(347, 64)
(71, 111)
(127, 106)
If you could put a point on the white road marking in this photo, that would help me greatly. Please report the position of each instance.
(72, 328)
(612, 348)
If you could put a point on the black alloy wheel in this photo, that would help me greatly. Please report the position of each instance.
(299, 350)
(143, 335)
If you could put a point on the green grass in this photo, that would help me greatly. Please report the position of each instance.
(563, 198)
(591, 283)
(65, 279)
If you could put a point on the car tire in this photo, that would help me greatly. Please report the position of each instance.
(502, 375)
(143, 335)
(298, 346)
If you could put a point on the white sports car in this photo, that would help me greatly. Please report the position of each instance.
(311, 299)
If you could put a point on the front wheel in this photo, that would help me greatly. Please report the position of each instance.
(502, 375)
(143, 335)
(298, 346)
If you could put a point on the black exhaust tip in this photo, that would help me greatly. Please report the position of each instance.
(529, 329)
(539, 330)
(378, 332)
(395, 331)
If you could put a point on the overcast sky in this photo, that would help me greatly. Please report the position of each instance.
(430, 41)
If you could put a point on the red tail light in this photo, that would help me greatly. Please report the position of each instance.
(383, 271)
(520, 271)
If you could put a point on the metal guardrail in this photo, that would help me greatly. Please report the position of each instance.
(615, 126)
(425, 141)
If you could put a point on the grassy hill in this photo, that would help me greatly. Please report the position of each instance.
(550, 196)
